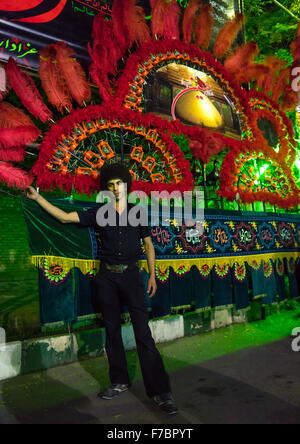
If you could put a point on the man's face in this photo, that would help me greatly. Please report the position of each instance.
(118, 188)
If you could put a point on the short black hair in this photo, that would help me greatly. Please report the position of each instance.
(115, 171)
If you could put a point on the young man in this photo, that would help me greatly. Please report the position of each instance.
(118, 282)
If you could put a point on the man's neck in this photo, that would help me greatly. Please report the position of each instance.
(121, 204)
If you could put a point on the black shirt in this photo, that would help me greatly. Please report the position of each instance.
(118, 244)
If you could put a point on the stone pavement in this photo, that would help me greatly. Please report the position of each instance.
(216, 378)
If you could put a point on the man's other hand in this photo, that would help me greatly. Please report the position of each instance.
(152, 287)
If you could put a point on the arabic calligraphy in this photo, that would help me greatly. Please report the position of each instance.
(17, 47)
(84, 7)
(220, 236)
(244, 236)
(162, 237)
(193, 236)
(285, 234)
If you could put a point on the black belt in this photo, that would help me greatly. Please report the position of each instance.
(118, 268)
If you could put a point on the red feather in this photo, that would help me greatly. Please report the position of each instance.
(204, 27)
(73, 73)
(119, 29)
(295, 48)
(159, 14)
(171, 29)
(101, 82)
(52, 81)
(19, 136)
(243, 56)
(228, 33)
(255, 71)
(27, 92)
(14, 177)
(189, 19)
(104, 54)
(275, 64)
(165, 19)
(134, 19)
(15, 154)
(281, 83)
(290, 100)
(11, 117)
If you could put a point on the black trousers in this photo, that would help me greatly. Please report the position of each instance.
(113, 290)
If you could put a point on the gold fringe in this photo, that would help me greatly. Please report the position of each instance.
(67, 263)
(86, 265)
(221, 261)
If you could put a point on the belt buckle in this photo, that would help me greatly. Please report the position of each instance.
(120, 268)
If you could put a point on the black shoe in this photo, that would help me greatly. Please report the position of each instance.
(166, 403)
(113, 391)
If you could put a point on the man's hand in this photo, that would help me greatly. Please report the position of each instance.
(152, 287)
(31, 193)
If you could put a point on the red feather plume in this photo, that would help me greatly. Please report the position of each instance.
(295, 48)
(243, 56)
(290, 100)
(281, 83)
(27, 92)
(165, 19)
(171, 29)
(189, 19)
(72, 73)
(228, 33)
(275, 64)
(159, 15)
(12, 117)
(255, 71)
(52, 81)
(14, 177)
(134, 19)
(119, 29)
(19, 136)
(104, 53)
(204, 27)
(15, 154)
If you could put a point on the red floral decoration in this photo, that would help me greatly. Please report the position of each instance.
(262, 109)
(281, 189)
(86, 179)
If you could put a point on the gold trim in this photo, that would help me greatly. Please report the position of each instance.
(86, 265)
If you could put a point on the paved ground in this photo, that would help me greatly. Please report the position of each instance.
(214, 382)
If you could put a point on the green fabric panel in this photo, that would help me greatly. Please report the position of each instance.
(58, 302)
(48, 236)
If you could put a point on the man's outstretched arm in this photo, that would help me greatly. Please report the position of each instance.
(56, 212)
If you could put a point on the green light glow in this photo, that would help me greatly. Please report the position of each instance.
(263, 169)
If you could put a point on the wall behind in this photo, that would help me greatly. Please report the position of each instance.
(15, 262)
